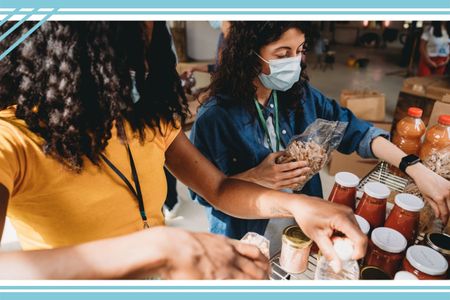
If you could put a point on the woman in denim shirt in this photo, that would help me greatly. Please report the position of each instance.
(236, 129)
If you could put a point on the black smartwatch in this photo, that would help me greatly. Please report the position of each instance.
(407, 161)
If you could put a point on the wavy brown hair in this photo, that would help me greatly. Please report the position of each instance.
(71, 83)
(239, 65)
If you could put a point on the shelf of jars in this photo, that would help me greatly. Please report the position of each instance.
(397, 250)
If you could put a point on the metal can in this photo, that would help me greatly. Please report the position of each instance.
(295, 250)
(441, 243)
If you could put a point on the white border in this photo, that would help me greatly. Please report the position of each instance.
(200, 17)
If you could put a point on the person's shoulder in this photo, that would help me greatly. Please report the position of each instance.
(311, 92)
(12, 128)
(211, 109)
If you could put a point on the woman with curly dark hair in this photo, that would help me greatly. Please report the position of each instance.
(260, 99)
(90, 114)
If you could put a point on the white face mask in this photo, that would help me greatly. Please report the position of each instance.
(284, 72)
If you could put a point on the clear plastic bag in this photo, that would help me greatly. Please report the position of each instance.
(438, 162)
(314, 146)
(258, 241)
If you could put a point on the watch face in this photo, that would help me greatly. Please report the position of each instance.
(411, 159)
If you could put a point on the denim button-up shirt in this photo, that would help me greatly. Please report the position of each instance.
(232, 139)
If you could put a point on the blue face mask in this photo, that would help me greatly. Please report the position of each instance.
(215, 24)
(284, 73)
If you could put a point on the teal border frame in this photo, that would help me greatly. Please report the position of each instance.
(199, 290)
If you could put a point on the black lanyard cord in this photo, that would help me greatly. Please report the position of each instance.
(137, 193)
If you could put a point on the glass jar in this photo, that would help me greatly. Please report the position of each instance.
(295, 250)
(437, 137)
(374, 273)
(409, 131)
(386, 250)
(363, 224)
(404, 275)
(441, 243)
(372, 206)
(404, 217)
(425, 263)
(344, 189)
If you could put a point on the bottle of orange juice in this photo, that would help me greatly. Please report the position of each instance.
(409, 131)
(437, 137)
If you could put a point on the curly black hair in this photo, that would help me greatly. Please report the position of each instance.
(239, 65)
(71, 82)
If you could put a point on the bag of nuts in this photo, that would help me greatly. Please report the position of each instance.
(314, 146)
(438, 162)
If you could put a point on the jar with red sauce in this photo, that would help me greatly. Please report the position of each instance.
(425, 263)
(372, 206)
(344, 189)
(404, 217)
(386, 250)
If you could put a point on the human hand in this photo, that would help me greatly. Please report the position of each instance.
(207, 256)
(279, 176)
(320, 219)
(434, 189)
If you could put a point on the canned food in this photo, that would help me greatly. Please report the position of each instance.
(441, 243)
(295, 250)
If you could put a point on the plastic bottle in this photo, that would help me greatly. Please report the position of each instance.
(325, 270)
(409, 131)
(437, 137)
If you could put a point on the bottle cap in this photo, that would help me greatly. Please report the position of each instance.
(388, 239)
(409, 202)
(346, 179)
(377, 190)
(444, 119)
(415, 112)
(405, 275)
(426, 260)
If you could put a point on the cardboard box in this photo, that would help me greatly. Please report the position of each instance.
(432, 87)
(439, 108)
(431, 94)
(366, 105)
(354, 163)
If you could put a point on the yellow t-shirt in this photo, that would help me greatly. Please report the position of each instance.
(51, 206)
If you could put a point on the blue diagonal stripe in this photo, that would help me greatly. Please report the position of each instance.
(3, 36)
(9, 16)
(29, 32)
